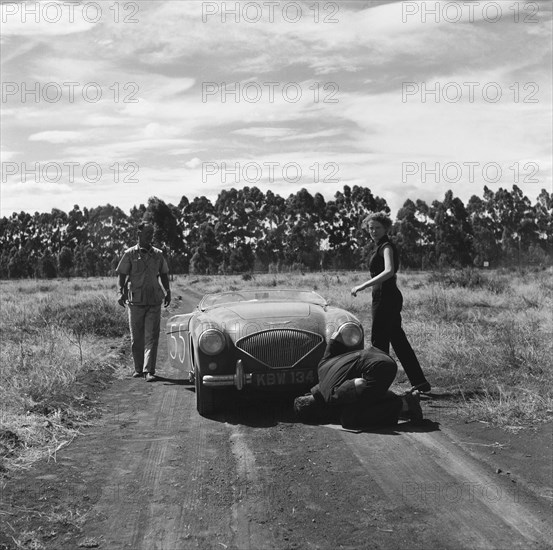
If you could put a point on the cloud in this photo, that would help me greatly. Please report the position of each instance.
(104, 120)
(7, 156)
(124, 150)
(57, 136)
(48, 18)
(266, 133)
(33, 196)
(330, 133)
(193, 163)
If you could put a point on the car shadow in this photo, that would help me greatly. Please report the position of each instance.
(175, 381)
(258, 412)
(269, 411)
(426, 426)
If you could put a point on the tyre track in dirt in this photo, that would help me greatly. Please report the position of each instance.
(134, 479)
(248, 495)
(451, 492)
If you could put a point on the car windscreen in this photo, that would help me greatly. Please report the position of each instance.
(257, 295)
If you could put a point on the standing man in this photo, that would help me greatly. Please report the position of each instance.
(140, 270)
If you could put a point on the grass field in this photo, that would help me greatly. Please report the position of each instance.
(484, 340)
(59, 342)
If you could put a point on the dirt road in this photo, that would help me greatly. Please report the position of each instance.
(156, 475)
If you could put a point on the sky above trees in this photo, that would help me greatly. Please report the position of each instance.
(117, 101)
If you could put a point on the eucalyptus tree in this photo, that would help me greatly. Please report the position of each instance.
(544, 219)
(485, 244)
(348, 244)
(206, 257)
(192, 215)
(408, 233)
(453, 232)
(269, 249)
(108, 226)
(303, 237)
(237, 228)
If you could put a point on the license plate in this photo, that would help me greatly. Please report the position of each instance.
(282, 378)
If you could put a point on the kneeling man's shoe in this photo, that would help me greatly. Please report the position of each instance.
(414, 411)
(309, 409)
(349, 417)
(303, 403)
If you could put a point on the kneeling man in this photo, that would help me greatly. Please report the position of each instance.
(354, 386)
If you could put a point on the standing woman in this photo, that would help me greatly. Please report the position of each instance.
(387, 300)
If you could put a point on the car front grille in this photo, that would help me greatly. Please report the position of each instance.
(279, 348)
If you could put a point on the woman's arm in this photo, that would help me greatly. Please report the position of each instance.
(381, 277)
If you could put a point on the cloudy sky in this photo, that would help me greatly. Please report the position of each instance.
(119, 101)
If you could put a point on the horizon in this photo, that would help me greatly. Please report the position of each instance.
(127, 212)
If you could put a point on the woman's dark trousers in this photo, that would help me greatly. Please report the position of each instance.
(386, 330)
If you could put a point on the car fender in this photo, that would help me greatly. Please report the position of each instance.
(336, 317)
(179, 343)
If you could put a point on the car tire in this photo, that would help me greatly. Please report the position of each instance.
(205, 398)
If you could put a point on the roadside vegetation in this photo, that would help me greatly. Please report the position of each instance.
(484, 338)
(59, 344)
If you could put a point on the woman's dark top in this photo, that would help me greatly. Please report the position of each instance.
(376, 266)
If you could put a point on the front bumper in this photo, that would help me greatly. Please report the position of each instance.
(239, 379)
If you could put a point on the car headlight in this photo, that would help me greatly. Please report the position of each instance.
(351, 333)
(212, 341)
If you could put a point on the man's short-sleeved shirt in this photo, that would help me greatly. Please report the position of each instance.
(143, 269)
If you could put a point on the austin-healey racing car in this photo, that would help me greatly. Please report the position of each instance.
(256, 340)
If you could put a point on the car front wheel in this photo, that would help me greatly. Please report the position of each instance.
(205, 398)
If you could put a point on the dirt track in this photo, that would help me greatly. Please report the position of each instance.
(156, 475)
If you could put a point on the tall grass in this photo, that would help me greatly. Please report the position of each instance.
(52, 334)
(483, 337)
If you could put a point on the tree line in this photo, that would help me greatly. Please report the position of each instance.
(247, 230)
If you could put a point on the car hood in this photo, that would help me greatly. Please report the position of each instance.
(240, 319)
(269, 310)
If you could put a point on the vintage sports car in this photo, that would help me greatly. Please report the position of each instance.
(256, 340)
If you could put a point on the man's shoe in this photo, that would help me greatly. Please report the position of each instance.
(349, 417)
(308, 409)
(303, 403)
(137, 375)
(150, 377)
(414, 411)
